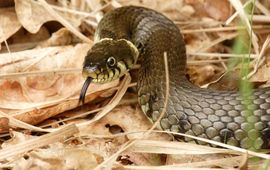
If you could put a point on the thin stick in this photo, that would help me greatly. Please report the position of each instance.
(262, 8)
(222, 29)
(233, 148)
(261, 18)
(232, 17)
(189, 165)
(261, 155)
(38, 142)
(203, 54)
(17, 123)
(38, 73)
(240, 9)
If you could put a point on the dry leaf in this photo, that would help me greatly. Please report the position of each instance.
(60, 38)
(59, 158)
(201, 75)
(24, 37)
(265, 3)
(16, 138)
(31, 15)
(128, 119)
(262, 75)
(41, 87)
(22, 95)
(9, 23)
(174, 9)
(4, 124)
(34, 97)
(218, 9)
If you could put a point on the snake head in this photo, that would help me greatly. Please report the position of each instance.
(109, 59)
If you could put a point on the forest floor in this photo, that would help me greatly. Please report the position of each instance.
(42, 48)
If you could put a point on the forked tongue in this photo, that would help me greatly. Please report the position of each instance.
(84, 89)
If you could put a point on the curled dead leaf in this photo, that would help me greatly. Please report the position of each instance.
(31, 15)
(60, 38)
(9, 23)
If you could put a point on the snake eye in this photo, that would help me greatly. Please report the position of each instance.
(111, 61)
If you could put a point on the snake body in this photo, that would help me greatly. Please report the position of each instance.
(217, 115)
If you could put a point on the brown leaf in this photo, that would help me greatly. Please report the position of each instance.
(61, 37)
(174, 9)
(9, 23)
(4, 124)
(127, 118)
(218, 9)
(31, 15)
(41, 87)
(201, 75)
(24, 37)
(51, 93)
(58, 156)
(262, 75)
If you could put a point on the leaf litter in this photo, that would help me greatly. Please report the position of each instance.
(43, 45)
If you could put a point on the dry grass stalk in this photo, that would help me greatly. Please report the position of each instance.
(240, 9)
(223, 29)
(20, 124)
(249, 152)
(38, 142)
(261, 58)
(38, 73)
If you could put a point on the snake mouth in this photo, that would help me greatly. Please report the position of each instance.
(90, 72)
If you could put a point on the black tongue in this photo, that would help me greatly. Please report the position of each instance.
(84, 89)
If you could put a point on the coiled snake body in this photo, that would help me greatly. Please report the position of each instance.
(128, 33)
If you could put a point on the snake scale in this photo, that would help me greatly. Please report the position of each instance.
(133, 34)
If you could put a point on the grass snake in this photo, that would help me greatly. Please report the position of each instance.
(133, 34)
